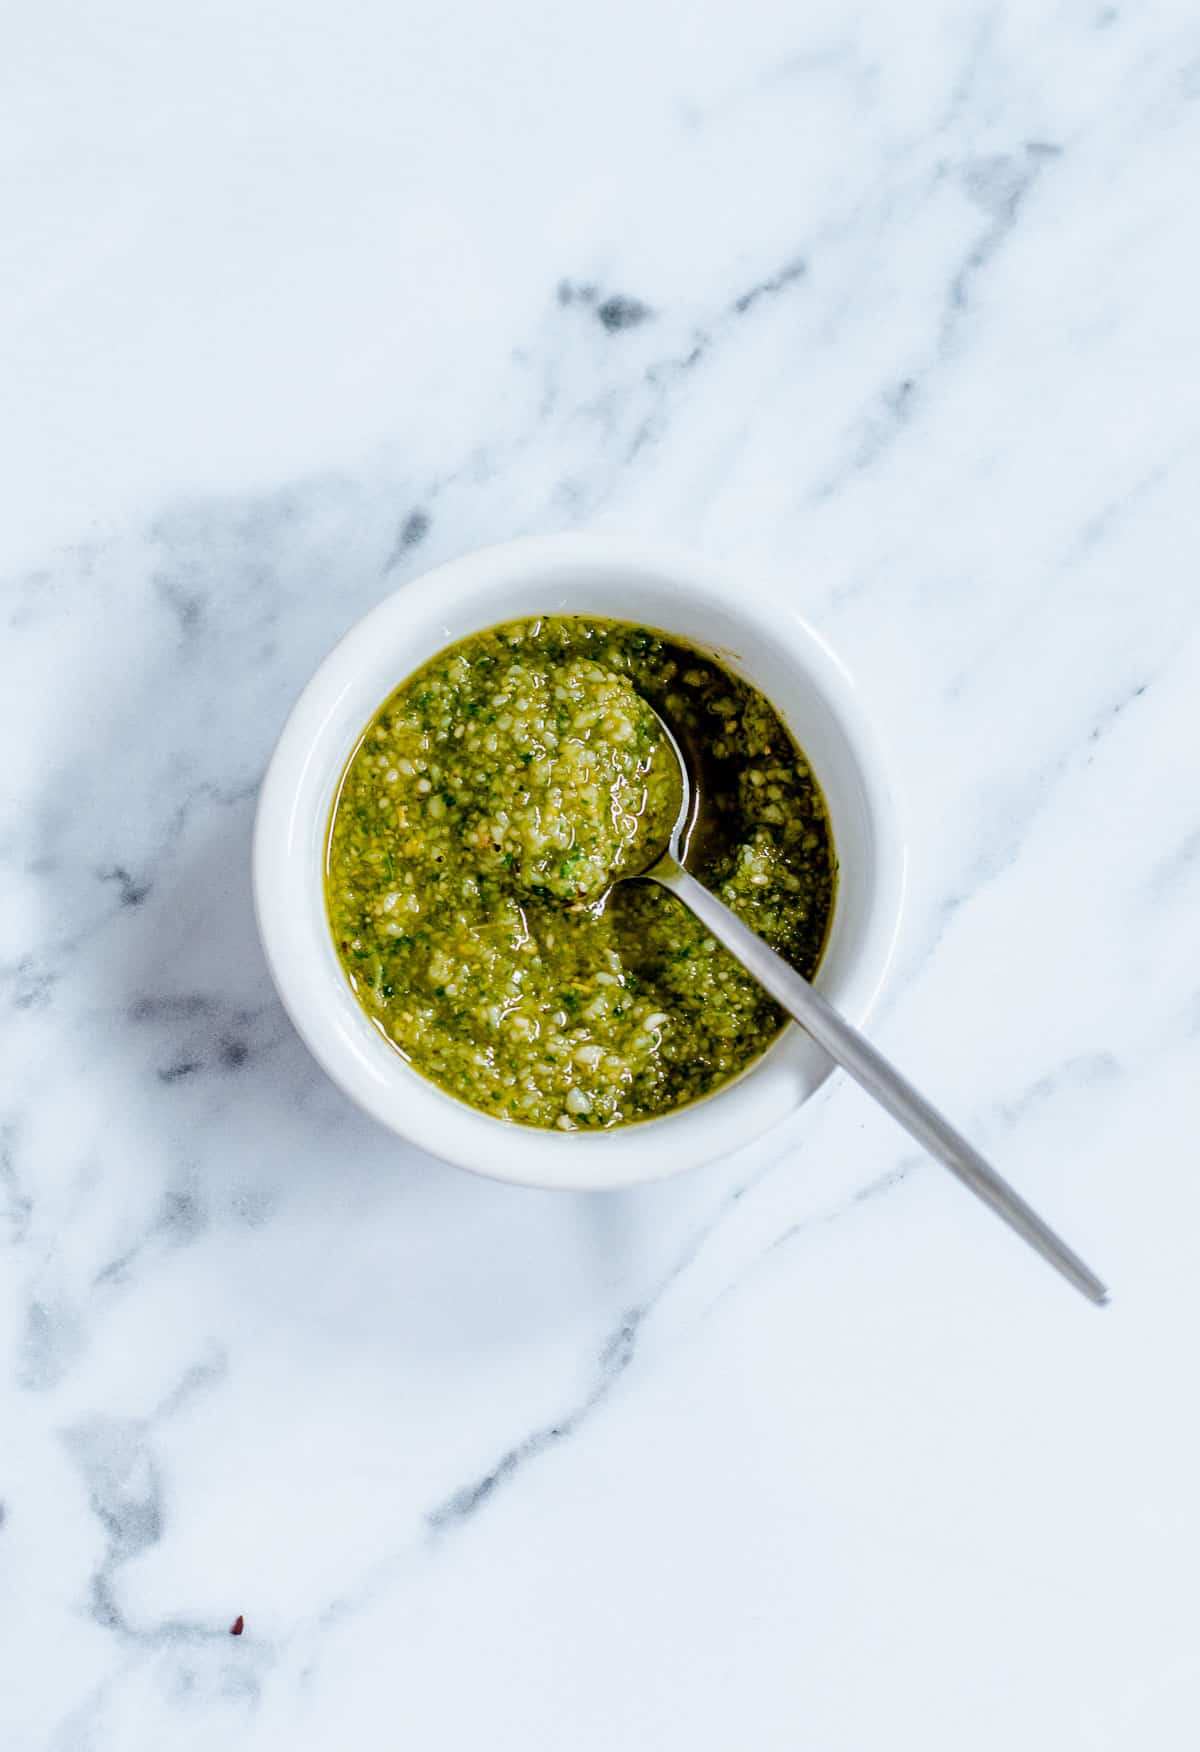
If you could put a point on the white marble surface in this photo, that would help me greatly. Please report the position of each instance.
(802, 1453)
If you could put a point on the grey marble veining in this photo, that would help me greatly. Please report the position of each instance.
(896, 311)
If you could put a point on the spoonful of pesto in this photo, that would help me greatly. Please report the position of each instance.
(575, 821)
(658, 852)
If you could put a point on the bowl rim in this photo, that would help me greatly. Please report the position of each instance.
(311, 983)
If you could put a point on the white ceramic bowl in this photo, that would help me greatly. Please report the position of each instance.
(572, 574)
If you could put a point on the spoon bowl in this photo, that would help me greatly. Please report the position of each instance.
(663, 834)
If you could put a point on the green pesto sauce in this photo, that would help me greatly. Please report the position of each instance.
(473, 845)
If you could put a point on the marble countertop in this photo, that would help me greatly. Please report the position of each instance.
(800, 1453)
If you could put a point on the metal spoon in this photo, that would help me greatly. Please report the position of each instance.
(846, 1045)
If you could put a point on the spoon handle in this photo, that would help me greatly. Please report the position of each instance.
(872, 1071)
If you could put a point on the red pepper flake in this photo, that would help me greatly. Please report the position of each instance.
(238, 1626)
